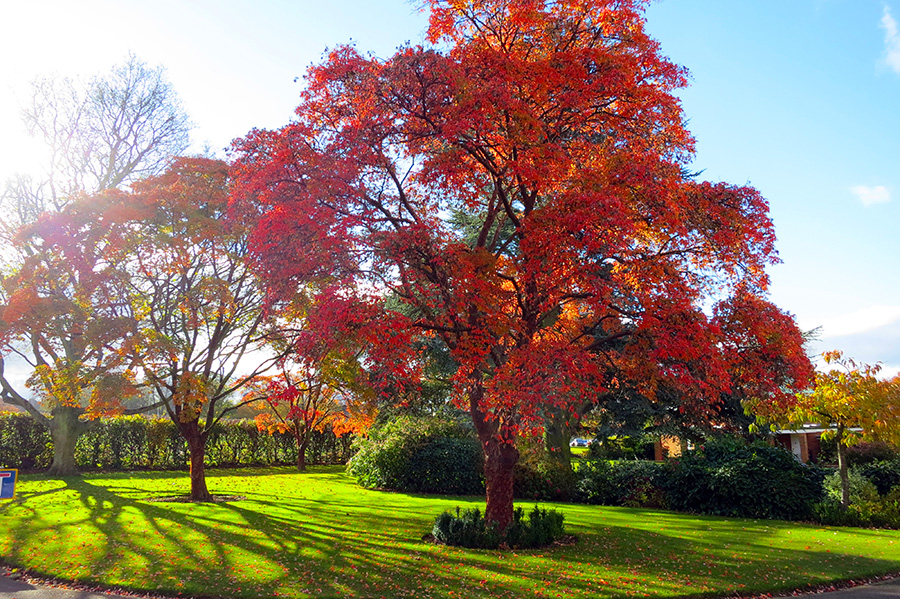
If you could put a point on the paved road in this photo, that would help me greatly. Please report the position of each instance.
(18, 589)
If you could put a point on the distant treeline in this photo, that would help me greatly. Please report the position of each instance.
(141, 443)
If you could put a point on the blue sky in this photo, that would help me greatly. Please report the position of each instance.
(800, 98)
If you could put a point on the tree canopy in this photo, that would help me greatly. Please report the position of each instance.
(521, 184)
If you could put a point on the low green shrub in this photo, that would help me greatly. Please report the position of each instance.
(542, 528)
(869, 510)
(389, 457)
(468, 528)
(860, 488)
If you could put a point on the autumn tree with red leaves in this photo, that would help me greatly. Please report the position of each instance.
(322, 380)
(520, 184)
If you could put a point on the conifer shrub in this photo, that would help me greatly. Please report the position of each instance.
(468, 528)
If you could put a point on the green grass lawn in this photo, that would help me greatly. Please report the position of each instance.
(317, 534)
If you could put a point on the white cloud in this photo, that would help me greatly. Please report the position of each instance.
(891, 40)
(877, 194)
(860, 321)
(889, 371)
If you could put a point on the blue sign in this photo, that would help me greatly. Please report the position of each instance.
(8, 483)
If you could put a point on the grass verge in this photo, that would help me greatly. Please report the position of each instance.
(319, 535)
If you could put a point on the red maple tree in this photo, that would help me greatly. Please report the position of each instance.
(520, 184)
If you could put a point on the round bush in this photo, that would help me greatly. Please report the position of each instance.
(447, 466)
(385, 459)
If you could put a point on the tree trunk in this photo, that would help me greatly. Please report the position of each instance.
(65, 428)
(842, 468)
(557, 434)
(500, 456)
(302, 442)
(196, 441)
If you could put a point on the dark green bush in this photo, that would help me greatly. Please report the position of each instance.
(385, 459)
(883, 474)
(866, 453)
(621, 448)
(731, 478)
(545, 480)
(594, 483)
(542, 528)
(469, 529)
(537, 476)
(466, 529)
(630, 483)
(448, 466)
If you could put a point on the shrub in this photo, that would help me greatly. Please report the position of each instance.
(137, 442)
(24, 443)
(639, 484)
(537, 476)
(883, 474)
(448, 466)
(861, 489)
(730, 478)
(594, 483)
(866, 453)
(542, 528)
(870, 509)
(469, 529)
(628, 483)
(466, 529)
(621, 448)
(384, 459)
(545, 479)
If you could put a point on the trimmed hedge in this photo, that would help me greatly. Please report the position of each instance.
(140, 443)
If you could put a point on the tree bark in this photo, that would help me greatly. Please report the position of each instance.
(500, 458)
(196, 441)
(302, 442)
(842, 467)
(498, 441)
(65, 428)
(557, 434)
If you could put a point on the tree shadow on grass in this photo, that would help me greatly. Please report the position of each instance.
(328, 538)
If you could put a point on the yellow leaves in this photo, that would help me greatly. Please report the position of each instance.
(190, 395)
(61, 385)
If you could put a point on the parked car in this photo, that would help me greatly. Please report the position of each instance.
(578, 442)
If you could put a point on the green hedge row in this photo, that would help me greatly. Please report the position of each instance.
(725, 478)
(140, 443)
